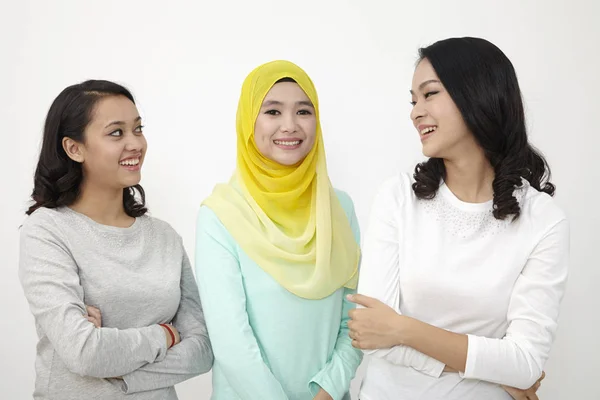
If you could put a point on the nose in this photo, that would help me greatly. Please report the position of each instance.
(418, 111)
(135, 142)
(288, 122)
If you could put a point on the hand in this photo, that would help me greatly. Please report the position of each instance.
(529, 394)
(323, 395)
(377, 326)
(94, 316)
(168, 335)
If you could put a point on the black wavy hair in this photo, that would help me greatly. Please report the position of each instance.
(58, 178)
(483, 84)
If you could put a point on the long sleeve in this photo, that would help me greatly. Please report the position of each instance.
(518, 359)
(339, 371)
(191, 357)
(235, 347)
(51, 283)
(380, 274)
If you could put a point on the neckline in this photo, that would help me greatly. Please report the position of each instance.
(107, 228)
(463, 205)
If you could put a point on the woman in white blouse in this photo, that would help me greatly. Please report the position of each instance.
(465, 262)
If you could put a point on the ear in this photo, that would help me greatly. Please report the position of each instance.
(73, 149)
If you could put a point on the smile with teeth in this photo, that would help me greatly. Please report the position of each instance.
(430, 129)
(287, 143)
(130, 162)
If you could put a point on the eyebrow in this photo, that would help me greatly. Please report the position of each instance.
(425, 84)
(269, 103)
(120, 123)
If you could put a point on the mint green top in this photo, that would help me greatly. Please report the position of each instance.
(269, 343)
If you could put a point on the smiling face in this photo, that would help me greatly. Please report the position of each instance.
(285, 129)
(440, 124)
(114, 146)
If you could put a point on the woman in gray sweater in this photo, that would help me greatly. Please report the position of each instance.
(115, 303)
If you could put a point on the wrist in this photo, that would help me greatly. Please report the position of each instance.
(169, 334)
(405, 330)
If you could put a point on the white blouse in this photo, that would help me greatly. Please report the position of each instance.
(453, 265)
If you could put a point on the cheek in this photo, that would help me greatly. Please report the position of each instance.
(262, 131)
(452, 122)
(310, 129)
(104, 158)
(144, 143)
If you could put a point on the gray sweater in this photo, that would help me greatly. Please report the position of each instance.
(138, 277)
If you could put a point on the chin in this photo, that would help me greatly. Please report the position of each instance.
(130, 183)
(289, 159)
(287, 162)
(430, 152)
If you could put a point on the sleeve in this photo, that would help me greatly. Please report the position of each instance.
(191, 357)
(50, 280)
(518, 359)
(236, 350)
(339, 371)
(380, 274)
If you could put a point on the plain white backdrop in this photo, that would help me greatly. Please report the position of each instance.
(185, 62)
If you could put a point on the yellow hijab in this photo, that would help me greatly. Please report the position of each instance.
(287, 219)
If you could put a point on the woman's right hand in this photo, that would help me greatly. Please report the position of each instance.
(94, 316)
(168, 335)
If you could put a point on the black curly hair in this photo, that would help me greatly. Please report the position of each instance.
(483, 84)
(57, 178)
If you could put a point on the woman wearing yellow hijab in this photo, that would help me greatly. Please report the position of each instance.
(277, 252)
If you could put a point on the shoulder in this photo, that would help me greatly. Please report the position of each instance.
(42, 236)
(207, 219)
(44, 222)
(159, 232)
(396, 190)
(158, 224)
(209, 226)
(539, 208)
(345, 200)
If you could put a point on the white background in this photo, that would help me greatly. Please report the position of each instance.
(185, 62)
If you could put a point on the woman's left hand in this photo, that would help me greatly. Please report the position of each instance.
(377, 326)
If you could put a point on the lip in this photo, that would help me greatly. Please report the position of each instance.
(132, 157)
(423, 126)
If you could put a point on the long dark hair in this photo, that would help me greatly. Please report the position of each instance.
(58, 178)
(483, 84)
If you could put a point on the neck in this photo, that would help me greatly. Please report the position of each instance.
(103, 205)
(470, 178)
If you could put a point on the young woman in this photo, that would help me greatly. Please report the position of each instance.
(465, 262)
(277, 251)
(115, 303)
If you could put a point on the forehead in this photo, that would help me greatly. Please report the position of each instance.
(285, 92)
(114, 108)
(423, 72)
